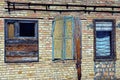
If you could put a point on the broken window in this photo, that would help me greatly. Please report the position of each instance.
(104, 31)
(21, 40)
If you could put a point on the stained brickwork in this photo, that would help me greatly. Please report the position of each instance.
(46, 69)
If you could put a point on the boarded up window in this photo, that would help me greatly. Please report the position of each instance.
(21, 41)
(63, 38)
(104, 39)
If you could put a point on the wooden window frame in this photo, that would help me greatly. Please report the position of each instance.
(17, 27)
(112, 55)
(17, 36)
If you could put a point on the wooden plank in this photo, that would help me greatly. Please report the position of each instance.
(78, 64)
(77, 41)
(18, 52)
(21, 59)
(10, 31)
(21, 47)
(22, 41)
(22, 54)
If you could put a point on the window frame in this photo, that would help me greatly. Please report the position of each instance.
(16, 28)
(112, 55)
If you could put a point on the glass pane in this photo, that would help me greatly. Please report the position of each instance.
(10, 30)
(103, 43)
(69, 49)
(58, 44)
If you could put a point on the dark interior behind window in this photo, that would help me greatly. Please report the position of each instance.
(27, 29)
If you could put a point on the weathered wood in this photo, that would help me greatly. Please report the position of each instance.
(69, 28)
(22, 41)
(11, 31)
(58, 30)
(21, 59)
(78, 63)
(21, 54)
(77, 41)
(21, 50)
(63, 43)
(22, 47)
(58, 38)
(58, 49)
(69, 49)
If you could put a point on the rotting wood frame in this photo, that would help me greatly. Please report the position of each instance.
(13, 6)
(20, 47)
(112, 55)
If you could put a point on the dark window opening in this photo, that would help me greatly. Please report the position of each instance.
(27, 29)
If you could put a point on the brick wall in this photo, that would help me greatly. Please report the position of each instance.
(46, 69)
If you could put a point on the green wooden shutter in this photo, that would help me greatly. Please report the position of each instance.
(58, 38)
(69, 38)
(62, 38)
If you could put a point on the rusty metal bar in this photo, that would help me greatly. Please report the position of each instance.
(18, 9)
(13, 8)
(68, 5)
(26, 18)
